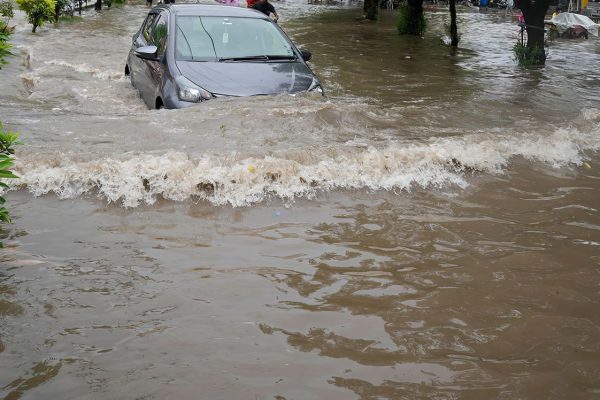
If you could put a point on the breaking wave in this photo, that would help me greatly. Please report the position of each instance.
(88, 69)
(132, 179)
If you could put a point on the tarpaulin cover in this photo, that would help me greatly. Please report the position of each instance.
(566, 20)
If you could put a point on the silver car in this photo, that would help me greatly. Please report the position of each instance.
(189, 53)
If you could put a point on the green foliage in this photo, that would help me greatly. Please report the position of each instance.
(108, 3)
(6, 10)
(6, 13)
(38, 11)
(526, 56)
(4, 48)
(62, 7)
(408, 22)
(7, 141)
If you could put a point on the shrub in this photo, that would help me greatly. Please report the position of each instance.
(4, 48)
(38, 11)
(526, 56)
(7, 141)
(6, 10)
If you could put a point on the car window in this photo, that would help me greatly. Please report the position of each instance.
(159, 34)
(210, 38)
(147, 27)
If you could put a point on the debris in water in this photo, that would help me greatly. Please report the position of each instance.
(266, 329)
(273, 176)
(251, 169)
(146, 184)
(462, 167)
(313, 183)
(208, 187)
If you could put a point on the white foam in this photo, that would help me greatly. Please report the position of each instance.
(87, 69)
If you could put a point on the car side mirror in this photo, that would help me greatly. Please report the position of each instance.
(306, 55)
(147, 53)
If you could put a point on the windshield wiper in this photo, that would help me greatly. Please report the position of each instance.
(247, 58)
(257, 58)
(281, 57)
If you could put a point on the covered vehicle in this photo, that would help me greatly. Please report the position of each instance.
(186, 54)
(573, 25)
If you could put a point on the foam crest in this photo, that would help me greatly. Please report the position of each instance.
(234, 179)
(87, 69)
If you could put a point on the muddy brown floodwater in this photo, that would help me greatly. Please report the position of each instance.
(429, 230)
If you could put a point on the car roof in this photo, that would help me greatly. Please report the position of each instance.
(211, 10)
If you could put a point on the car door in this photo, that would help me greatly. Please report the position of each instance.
(155, 69)
(139, 73)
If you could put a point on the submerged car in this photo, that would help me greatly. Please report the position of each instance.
(189, 53)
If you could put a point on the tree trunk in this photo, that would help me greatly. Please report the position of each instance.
(371, 7)
(453, 27)
(415, 16)
(534, 12)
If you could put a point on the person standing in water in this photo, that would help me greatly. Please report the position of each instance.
(266, 8)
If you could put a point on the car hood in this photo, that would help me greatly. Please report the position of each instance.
(248, 78)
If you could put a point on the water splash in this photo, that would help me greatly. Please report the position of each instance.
(240, 180)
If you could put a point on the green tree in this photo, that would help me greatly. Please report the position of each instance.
(38, 11)
(534, 12)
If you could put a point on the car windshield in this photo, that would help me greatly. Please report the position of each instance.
(229, 39)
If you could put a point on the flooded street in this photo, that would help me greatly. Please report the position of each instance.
(429, 229)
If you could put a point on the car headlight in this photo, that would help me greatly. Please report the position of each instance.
(188, 91)
(315, 86)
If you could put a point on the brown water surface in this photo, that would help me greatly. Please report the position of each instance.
(430, 229)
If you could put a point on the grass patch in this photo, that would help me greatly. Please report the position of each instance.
(525, 56)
